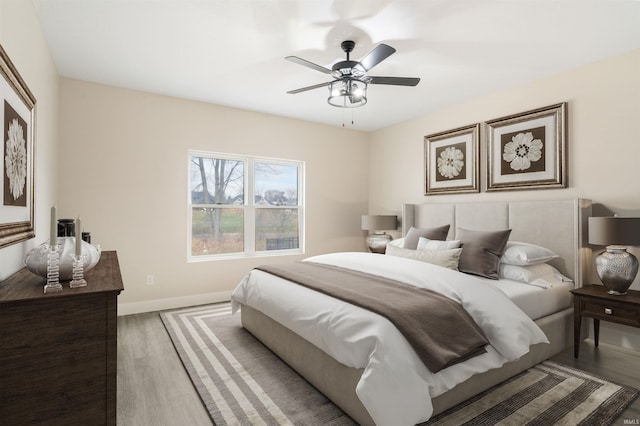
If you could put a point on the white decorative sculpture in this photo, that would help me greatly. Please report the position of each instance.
(36, 259)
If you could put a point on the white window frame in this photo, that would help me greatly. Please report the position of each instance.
(248, 205)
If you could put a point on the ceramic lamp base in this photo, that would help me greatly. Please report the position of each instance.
(616, 268)
(377, 243)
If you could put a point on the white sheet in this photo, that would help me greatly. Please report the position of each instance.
(395, 388)
(535, 301)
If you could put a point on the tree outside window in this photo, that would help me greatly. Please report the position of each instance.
(244, 206)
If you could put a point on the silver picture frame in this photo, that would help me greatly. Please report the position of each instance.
(17, 199)
(528, 150)
(452, 161)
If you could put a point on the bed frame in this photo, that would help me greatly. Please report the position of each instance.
(558, 225)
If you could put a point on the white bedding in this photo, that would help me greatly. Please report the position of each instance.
(535, 301)
(395, 388)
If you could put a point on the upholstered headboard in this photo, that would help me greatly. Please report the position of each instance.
(559, 225)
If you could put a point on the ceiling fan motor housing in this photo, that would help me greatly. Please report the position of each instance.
(348, 68)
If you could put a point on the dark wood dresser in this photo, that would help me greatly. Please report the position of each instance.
(58, 351)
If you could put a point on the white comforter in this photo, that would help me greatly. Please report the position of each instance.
(396, 388)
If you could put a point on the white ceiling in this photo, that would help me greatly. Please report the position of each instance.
(231, 52)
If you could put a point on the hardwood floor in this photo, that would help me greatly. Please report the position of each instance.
(154, 389)
(612, 363)
(153, 386)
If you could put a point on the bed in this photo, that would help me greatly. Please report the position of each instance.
(559, 225)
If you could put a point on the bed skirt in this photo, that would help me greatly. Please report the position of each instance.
(338, 382)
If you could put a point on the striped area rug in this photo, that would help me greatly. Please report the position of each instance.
(241, 382)
(546, 394)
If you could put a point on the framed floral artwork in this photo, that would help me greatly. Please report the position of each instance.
(17, 108)
(451, 164)
(528, 150)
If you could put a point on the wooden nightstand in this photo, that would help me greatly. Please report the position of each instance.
(593, 301)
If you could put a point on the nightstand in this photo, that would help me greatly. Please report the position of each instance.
(593, 301)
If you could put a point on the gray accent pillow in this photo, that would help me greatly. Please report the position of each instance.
(414, 234)
(481, 251)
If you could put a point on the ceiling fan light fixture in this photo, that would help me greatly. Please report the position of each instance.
(347, 93)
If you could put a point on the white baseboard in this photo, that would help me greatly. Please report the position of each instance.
(172, 303)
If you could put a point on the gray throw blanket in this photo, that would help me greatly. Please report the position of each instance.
(439, 329)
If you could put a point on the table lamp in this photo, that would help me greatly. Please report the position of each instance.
(616, 267)
(378, 239)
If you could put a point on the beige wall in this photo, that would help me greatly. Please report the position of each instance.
(21, 38)
(124, 169)
(123, 164)
(603, 145)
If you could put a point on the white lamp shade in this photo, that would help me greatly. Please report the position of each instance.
(379, 222)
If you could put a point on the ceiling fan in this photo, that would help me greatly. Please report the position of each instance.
(349, 87)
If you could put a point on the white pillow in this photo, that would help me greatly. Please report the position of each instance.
(541, 275)
(518, 253)
(547, 281)
(398, 242)
(427, 244)
(445, 258)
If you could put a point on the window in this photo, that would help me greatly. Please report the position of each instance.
(244, 206)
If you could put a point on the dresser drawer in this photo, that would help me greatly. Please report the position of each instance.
(611, 312)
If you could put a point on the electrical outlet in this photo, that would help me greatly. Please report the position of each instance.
(149, 279)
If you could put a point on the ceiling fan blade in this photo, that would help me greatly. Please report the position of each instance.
(304, 89)
(308, 64)
(395, 81)
(377, 55)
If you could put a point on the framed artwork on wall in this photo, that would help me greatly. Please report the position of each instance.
(17, 108)
(528, 150)
(451, 164)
